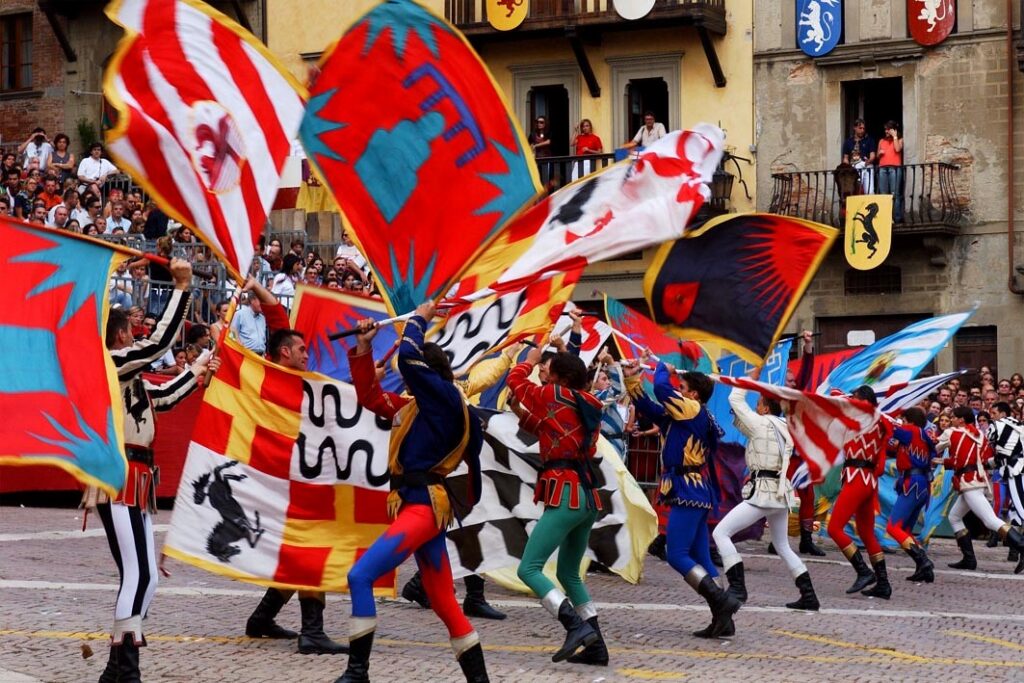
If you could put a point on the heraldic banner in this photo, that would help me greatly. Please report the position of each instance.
(286, 478)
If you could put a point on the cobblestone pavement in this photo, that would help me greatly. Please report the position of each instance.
(57, 587)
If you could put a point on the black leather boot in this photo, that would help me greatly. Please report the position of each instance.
(596, 653)
(472, 663)
(807, 546)
(1014, 540)
(123, 663)
(993, 540)
(881, 589)
(578, 633)
(737, 582)
(925, 568)
(722, 605)
(968, 561)
(413, 591)
(716, 557)
(312, 639)
(865, 577)
(475, 604)
(358, 669)
(261, 623)
(808, 599)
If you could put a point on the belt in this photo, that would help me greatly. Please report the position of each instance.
(923, 471)
(857, 463)
(682, 470)
(415, 479)
(561, 463)
(960, 471)
(143, 455)
(764, 474)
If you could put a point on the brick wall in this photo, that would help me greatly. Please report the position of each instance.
(44, 104)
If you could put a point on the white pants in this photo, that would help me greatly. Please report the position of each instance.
(742, 516)
(975, 501)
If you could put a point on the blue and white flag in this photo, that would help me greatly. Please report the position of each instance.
(819, 24)
(900, 397)
(896, 359)
(774, 372)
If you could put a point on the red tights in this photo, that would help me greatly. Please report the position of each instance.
(856, 500)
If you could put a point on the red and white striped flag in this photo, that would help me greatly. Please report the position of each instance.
(206, 119)
(819, 425)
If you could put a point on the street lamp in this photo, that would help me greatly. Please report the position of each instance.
(722, 180)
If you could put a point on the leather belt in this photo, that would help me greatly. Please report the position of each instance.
(415, 479)
(143, 455)
(857, 463)
(923, 471)
(764, 474)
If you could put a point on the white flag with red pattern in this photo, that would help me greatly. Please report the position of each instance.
(206, 117)
(819, 425)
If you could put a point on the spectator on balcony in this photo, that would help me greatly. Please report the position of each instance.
(140, 283)
(859, 151)
(114, 194)
(91, 230)
(62, 159)
(890, 168)
(312, 277)
(120, 290)
(37, 147)
(585, 142)
(50, 195)
(10, 161)
(539, 140)
(5, 206)
(117, 218)
(221, 323)
(100, 223)
(350, 282)
(650, 132)
(94, 170)
(31, 168)
(73, 226)
(298, 248)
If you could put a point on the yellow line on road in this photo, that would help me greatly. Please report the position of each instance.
(986, 639)
(647, 675)
(897, 654)
(872, 654)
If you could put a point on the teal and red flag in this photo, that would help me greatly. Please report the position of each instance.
(59, 394)
(412, 136)
(736, 280)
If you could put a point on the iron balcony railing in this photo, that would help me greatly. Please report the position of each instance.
(926, 196)
(556, 172)
(464, 13)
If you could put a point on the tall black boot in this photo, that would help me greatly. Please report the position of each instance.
(123, 663)
(578, 633)
(881, 589)
(472, 663)
(925, 568)
(358, 669)
(261, 622)
(312, 639)
(657, 547)
(807, 546)
(716, 557)
(413, 591)
(993, 540)
(737, 582)
(1014, 539)
(968, 561)
(109, 674)
(1014, 554)
(475, 604)
(865, 577)
(722, 605)
(596, 653)
(808, 599)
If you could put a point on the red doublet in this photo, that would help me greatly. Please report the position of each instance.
(865, 455)
(968, 453)
(548, 411)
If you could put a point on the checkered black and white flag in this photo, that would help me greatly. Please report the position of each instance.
(494, 533)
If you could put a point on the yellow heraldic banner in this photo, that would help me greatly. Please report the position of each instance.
(868, 235)
(286, 478)
(505, 15)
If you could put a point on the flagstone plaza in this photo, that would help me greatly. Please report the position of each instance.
(57, 588)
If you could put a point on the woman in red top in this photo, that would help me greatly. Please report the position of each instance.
(585, 141)
(890, 168)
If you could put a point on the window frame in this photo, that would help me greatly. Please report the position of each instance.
(20, 26)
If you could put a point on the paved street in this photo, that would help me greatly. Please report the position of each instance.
(57, 589)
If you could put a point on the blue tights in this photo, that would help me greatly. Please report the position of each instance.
(687, 540)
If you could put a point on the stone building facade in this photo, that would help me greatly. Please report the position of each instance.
(962, 129)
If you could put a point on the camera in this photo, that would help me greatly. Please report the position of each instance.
(39, 139)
